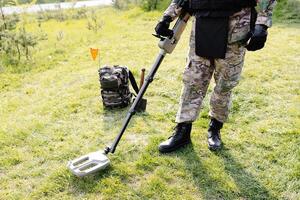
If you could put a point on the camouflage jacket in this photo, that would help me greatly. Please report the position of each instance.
(264, 9)
(239, 23)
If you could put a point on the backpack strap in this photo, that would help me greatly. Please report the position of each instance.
(133, 82)
(253, 18)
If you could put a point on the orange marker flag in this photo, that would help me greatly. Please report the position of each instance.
(94, 53)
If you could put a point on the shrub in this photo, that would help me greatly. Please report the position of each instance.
(79, 13)
(58, 15)
(147, 5)
(14, 43)
(94, 23)
(288, 10)
(62, 15)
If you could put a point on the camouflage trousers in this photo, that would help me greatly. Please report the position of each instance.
(197, 77)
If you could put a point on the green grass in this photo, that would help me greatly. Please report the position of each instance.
(51, 112)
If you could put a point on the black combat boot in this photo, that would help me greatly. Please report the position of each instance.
(214, 136)
(181, 137)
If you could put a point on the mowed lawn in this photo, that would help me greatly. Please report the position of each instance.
(50, 112)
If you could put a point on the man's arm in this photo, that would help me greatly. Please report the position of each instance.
(264, 12)
(263, 22)
(173, 10)
(171, 13)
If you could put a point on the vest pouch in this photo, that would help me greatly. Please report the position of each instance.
(109, 82)
(211, 36)
(114, 83)
(217, 5)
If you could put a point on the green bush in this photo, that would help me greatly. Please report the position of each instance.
(62, 15)
(94, 24)
(58, 15)
(147, 5)
(122, 4)
(15, 43)
(288, 10)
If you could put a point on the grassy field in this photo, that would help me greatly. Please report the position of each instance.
(51, 112)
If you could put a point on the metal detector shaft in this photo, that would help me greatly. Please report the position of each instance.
(140, 95)
(167, 45)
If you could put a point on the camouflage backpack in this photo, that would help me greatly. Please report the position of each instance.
(114, 83)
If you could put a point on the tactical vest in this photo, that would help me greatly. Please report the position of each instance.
(221, 5)
(212, 17)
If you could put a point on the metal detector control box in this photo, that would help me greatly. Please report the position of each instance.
(169, 44)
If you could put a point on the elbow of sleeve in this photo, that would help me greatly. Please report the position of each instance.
(264, 20)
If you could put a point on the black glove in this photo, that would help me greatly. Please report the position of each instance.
(162, 28)
(258, 38)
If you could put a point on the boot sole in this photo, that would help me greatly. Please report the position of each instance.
(169, 150)
(214, 148)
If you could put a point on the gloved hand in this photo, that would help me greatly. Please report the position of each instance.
(258, 38)
(162, 28)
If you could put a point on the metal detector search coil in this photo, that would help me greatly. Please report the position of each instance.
(89, 163)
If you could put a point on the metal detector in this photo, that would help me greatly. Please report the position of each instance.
(97, 161)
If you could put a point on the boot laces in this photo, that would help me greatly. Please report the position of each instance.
(175, 130)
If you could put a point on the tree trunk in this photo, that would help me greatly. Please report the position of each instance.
(3, 18)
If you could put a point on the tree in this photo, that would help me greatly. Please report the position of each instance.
(15, 44)
(4, 3)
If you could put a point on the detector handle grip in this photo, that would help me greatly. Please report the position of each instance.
(169, 44)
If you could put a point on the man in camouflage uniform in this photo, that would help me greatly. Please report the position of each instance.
(226, 69)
